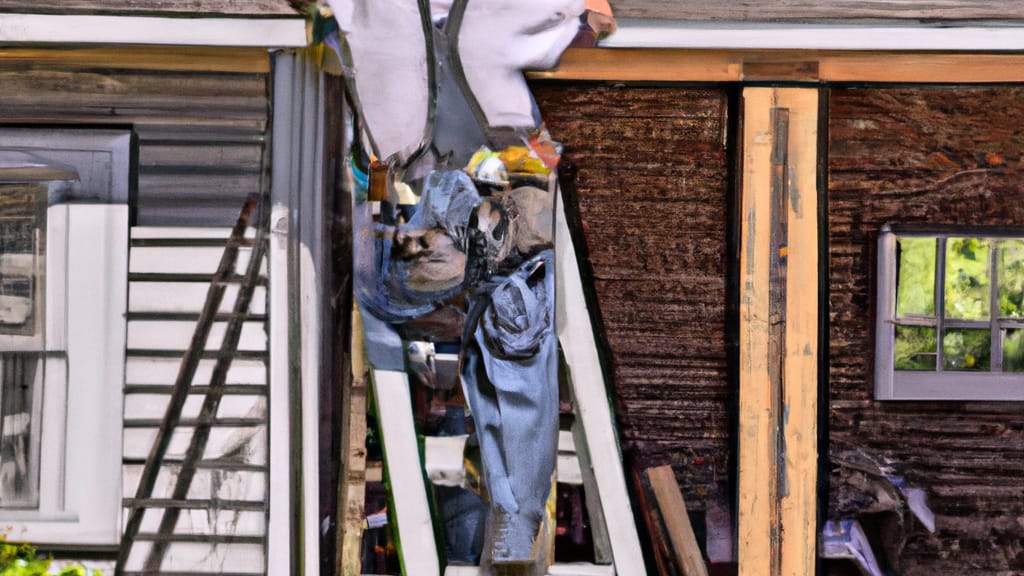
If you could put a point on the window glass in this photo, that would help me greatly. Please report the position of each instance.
(22, 239)
(916, 285)
(966, 349)
(20, 381)
(1013, 350)
(1011, 278)
(915, 348)
(967, 278)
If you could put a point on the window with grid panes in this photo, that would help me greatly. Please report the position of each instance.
(950, 323)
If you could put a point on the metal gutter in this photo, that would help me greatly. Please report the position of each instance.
(152, 30)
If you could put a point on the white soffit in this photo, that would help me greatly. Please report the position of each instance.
(748, 36)
(148, 30)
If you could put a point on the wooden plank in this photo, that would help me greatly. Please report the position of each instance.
(181, 7)
(778, 369)
(798, 499)
(172, 59)
(591, 494)
(415, 528)
(811, 10)
(677, 521)
(352, 488)
(758, 529)
(646, 64)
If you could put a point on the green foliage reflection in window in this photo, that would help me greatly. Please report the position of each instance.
(980, 327)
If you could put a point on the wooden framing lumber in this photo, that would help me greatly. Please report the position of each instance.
(352, 487)
(176, 59)
(415, 532)
(677, 521)
(778, 351)
(690, 65)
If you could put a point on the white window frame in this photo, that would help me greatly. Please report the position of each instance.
(80, 486)
(892, 384)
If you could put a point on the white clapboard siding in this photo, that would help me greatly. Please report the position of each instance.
(176, 335)
(223, 525)
(185, 260)
(163, 371)
(247, 485)
(210, 521)
(185, 297)
(155, 405)
(245, 445)
(204, 558)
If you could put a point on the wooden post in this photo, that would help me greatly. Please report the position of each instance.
(352, 487)
(778, 333)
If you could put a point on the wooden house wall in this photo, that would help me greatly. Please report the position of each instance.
(153, 7)
(820, 10)
(202, 119)
(652, 184)
(201, 122)
(950, 155)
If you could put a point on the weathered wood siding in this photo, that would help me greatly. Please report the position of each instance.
(202, 131)
(653, 192)
(153, 7)
(818, 10)
(937, 156)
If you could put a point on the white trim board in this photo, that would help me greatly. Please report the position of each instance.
(150, 30)
(747, 36)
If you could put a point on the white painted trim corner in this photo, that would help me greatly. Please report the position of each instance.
(152, 30)
(764, 36)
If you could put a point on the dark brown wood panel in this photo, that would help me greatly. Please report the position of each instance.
(937, 156)
(652, 188)
(204, 7)
(201, 134)
(811, 10)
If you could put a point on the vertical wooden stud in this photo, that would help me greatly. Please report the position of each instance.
(778, 333)
(352, 487)
(758, 536)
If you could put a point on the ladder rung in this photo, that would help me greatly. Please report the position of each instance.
(239, 505)
(193, 316)
(193, 422)
(191, 242)
(191, 277)
(224, 465)
(227, 390)
(206, 354)
(199, 538)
